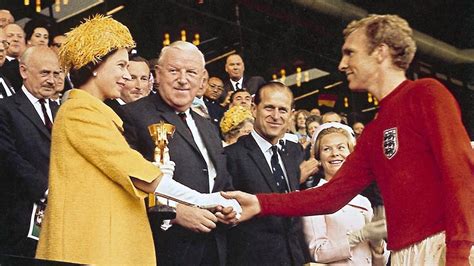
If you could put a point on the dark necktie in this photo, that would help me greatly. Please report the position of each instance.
(183, 116)
(237, 86)
(278, 172)
(47, 121)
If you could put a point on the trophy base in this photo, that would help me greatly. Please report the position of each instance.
(162, 212)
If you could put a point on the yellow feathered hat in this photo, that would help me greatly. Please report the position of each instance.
(92, 40)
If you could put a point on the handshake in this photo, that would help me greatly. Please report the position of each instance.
(184, 198)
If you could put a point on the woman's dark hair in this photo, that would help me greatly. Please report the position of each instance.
(31, 25)
(80, 76)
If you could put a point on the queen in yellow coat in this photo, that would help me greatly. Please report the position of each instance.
(96, 213)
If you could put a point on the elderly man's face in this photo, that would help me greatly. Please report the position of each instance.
(180, 74)
(41, 72)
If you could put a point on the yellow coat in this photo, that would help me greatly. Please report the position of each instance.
(95, 215)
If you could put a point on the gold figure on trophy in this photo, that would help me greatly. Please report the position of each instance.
(161, 133)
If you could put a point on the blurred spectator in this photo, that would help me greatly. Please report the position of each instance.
(5, 86)
(16, 40)
(300, 126)
(152, 64)
(315, 111)
(198, 105)
(5, 18)
(235, 68)
(57, 41)
(331, 117)
(312, 122)
(236, 122)
(358, 127)
(211, 96)
(242, 98)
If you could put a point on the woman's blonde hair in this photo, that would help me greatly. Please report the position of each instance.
(328, 131)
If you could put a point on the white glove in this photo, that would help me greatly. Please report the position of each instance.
(166, 168)
(373, 232)
(170, 187)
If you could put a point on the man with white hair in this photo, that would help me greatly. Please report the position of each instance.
(195, 237)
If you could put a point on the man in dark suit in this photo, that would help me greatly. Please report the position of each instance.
(262, 163)
(194, 237)
(235, 67)
(25, 138)
(211, 99)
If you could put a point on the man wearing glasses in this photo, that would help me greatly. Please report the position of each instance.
(211, 99)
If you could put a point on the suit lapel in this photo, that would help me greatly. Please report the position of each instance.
(257, 156)
(27, 108)
(291, 169)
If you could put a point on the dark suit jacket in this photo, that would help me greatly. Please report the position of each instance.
(216, 111)
(24, 163)
(11, 70)
(268, 240)
(4, 86)
(177, 245)
(251, 84)
(114, 104)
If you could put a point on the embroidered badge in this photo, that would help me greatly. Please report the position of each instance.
(390, 142)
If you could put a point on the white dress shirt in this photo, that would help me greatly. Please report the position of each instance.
(36, 103)
(266, 148)
(240, 81)
(211, 170)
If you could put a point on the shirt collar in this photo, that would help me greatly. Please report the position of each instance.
(30, 96)
(262, 143)
(120, 101)
(240, 81)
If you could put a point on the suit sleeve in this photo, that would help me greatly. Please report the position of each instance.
(13, 163)
(100, 142)
(453, 154)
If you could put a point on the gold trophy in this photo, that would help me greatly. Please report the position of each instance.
(161, 133)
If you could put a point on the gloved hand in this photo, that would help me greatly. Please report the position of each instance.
(373, 232)
(166, 168)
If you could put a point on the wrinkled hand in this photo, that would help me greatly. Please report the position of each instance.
(195, 219)
(373, 232)
(308, 168)
(248, 202)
